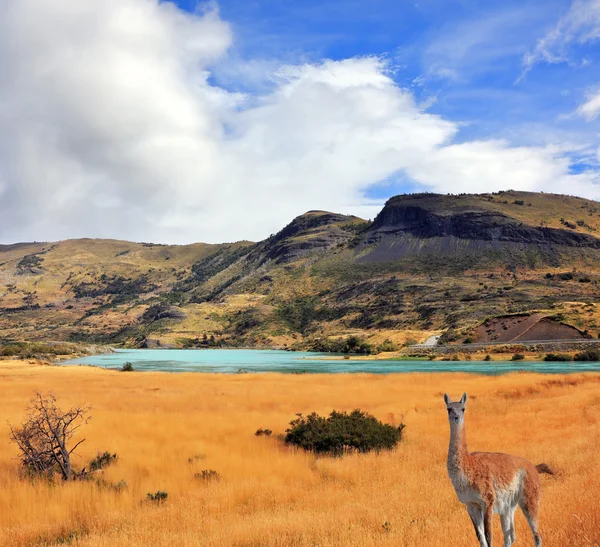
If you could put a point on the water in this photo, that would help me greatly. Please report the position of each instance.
(232, 361)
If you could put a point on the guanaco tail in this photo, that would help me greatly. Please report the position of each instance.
(489, 482)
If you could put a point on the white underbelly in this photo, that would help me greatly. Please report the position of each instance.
(469, 496)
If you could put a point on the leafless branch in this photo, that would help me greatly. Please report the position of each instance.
(44, 435)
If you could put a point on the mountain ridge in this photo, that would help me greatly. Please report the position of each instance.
(427, 264)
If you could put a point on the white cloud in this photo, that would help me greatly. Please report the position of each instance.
(110, 126)
(580, 24)
(590, 109)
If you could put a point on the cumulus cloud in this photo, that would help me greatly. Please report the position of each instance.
(580, 24)
(111, 126)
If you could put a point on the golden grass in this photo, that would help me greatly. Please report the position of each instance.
(271, 495)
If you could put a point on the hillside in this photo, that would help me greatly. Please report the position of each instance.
(427, 264)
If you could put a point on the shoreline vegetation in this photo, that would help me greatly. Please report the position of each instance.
(51, 350)
(190, 441)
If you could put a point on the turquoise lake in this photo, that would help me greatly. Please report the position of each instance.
(233, 361)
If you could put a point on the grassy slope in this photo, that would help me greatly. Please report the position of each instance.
(260, 299)
(270, 495)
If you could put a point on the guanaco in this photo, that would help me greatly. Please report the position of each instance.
(490, 482)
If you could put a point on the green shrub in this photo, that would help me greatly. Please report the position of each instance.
(352, 344)
(341, 431)
(158, 497)
(588, 355)
(468, 340)
(127, 367)
(260, 432)
(487, 357)
(298, 314)
(387, 345)
(102, 460)
(517, 357)
(560, 357)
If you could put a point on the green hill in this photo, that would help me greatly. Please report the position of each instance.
(427, 264)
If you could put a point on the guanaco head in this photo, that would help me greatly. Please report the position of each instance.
(456, 411)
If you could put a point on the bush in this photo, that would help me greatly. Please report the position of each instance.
(127, 367)
(341, 431)
(588, 355)
(102, 460)
(468, 340)
(352, 344)
(266, 432)
(207, 475)
(487, 358)
(565, 276)
(158, 497)
(387, 345)
(298, 314)
(560, 357)
(517, 357)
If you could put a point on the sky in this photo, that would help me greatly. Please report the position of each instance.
(178, 122)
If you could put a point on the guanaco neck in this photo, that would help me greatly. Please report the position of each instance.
(457, 451)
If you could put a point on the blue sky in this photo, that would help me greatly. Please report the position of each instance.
(154, 121)
(464, 57)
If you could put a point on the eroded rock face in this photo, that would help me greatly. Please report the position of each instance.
(400, 217)
(311, 231)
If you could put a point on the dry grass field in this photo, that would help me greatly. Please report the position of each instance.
(167, 427)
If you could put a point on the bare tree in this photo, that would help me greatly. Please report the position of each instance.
(44, 436)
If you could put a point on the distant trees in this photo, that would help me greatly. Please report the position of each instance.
(352, 344)
(44, 438)
(559, 357)
(588, 355)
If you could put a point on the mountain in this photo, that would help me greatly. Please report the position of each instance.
(459, 265)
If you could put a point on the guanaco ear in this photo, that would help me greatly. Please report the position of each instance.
(446, 399)
(463, 400)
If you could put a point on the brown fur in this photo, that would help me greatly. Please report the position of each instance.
(492, 474)
(543, 468)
